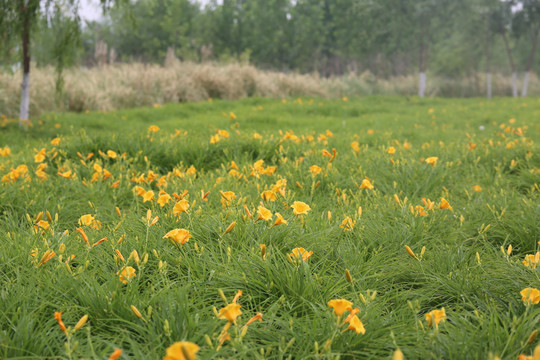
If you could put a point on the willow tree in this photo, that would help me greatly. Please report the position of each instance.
(18, 22)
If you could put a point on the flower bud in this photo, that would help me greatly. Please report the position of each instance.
(80, 323)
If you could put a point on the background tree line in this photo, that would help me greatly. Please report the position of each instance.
(332, 37)
(453, 38)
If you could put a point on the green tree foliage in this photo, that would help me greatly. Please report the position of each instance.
(384, 37)
(59, 22)
(147, 29)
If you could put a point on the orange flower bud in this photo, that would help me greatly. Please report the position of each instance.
(120, 255)
(58, 317)
(410, 252)
(100, 241)
(83, 234)
(116, 354)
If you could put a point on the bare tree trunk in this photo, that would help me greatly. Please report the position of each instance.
(525, 84)
(489, 91)
(25, 86)
(514, 85)
(529, 64)
(421, 66)
(512, 66)
(422, 85)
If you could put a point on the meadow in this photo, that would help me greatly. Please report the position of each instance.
(377, 227)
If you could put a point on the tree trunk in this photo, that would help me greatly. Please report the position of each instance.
(25, 86)
(512, 66)
(525, 84)
(422, 84)
(514, 84)
(529, 64)
(421, 60)
(488, 79)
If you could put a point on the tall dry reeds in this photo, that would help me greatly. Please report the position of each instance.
(130, 85)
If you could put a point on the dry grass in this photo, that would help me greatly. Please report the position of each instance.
(131, 85)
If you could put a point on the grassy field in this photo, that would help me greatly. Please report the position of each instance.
(424, 215)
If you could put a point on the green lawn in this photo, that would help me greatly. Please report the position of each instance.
(482, 158)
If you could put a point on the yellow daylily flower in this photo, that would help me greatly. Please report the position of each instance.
(86, 220)
(126, 274)
(301, 253)
(226, 198)
(315, 170)
(356, 325)
(366, 184)
(148, 196)
(530, 296)
(269, 195)
(280, 220)
(264, 214)
(300, 208)
(182, 350)
(40, 156)
(230, 312)
(179, 236)
(163, 199)
(435, 317)
(477, 188)
(181, 207)
(347, 224)
(153, 129)
(340, 306)
(532, 260)
(445, 205)
(432, 160)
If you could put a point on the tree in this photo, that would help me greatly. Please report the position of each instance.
(470, 40)
(307, 34)
(502, 19)
(268, 40)
(227, 30)
(527, 20)
(149, 28)
(20, 18)
(489, 8)
(420, 23)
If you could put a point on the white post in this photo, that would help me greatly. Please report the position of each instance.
(25, 101)
(489, 94)
(422, 84)
(514, 85)
(525, 84)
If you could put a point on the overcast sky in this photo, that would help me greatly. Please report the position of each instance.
(90, 9)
